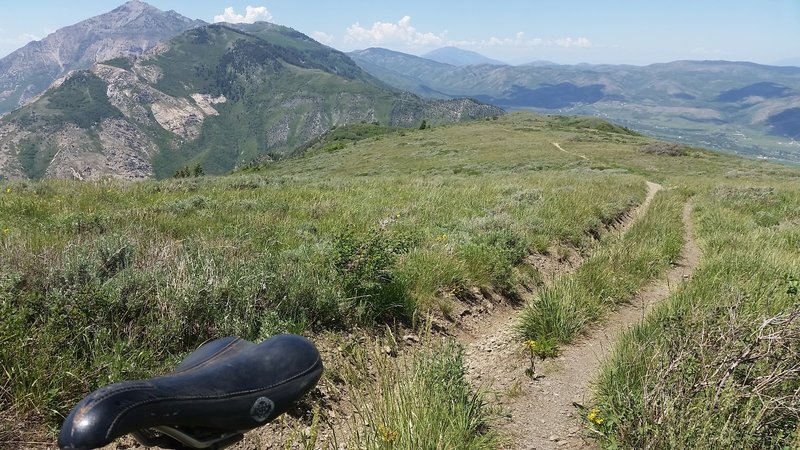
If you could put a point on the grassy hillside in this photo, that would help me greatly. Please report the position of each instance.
(106, 281)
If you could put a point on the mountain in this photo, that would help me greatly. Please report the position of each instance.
(131, 29)
(762, 89)
(401, 70)
(786, 123)
(459, 57)
(218, 96)
(734, 106)
(540, 63)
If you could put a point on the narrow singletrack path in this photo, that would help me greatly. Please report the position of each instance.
(558, 146)
(540, 414)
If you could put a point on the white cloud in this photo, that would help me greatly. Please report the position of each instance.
(519, 40)
(402, 36)
(251, 14)
(383, 33)
(580, 42)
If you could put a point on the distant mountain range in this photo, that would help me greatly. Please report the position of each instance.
(129, 30)
(736, 106)
(219, 96)
(458, 57)
(139, 93)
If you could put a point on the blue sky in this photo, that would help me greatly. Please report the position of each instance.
(593, 31)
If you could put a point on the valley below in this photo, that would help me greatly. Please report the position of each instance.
(711, 104)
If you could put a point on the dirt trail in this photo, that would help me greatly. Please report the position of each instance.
(540, 414)
(558, 146)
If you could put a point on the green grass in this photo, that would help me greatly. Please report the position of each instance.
(120, 280)
(107, 281)
(618, 268)
(422, 402)
(717, 365)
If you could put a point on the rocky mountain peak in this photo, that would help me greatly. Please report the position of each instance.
(130, 29)
(136, 8)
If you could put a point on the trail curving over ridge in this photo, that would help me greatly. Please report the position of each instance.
(558, 146)
(540, 414)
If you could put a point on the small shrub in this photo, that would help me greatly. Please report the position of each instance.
(665, 148)
(187, 172)
(541, 348)
(334, 147)
(429, 274)
(365, 265)
(193, 203)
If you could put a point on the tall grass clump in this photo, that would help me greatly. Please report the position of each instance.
(618, 268)
(422, 402)
(718, 364)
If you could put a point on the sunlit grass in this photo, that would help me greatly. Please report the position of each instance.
(423, 401)
(617, 269)
(119, 280)
(717, 364)
(107, 281)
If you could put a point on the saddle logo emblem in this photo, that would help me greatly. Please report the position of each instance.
(262, 409)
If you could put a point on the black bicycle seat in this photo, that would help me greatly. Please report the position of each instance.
(224, 388)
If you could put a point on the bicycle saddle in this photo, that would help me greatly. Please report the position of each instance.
(223, 389)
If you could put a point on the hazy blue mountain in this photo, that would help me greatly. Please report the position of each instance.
(763, 89)
(401, 70)
(540, 63)
(786, 123)
(459, 57)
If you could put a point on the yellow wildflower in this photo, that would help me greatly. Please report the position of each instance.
(531, 344)
(6, 231)
(8, 190)
(595, 417)
(388, 435)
